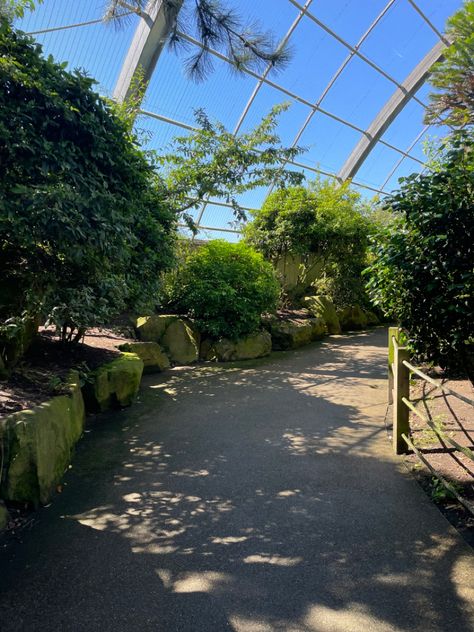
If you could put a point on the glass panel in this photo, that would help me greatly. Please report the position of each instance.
(377, 165)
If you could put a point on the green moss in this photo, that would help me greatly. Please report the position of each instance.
(114, 384)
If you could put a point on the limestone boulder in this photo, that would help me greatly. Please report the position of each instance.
(294, 332)
(178, 336)
(152, 328)
(154, 358)
(352, 318)
(38, 444)
(4, 516)
(115, 384)
(181, 341)
(322, 307)
(256, 345)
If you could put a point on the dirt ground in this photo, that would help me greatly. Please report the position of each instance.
(41, 373)
(455, 418)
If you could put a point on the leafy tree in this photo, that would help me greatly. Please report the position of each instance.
(84, 228)
(322, 223)
(422, 271)
(224, 287)
(11, 9)
(217, 26)
(453, 103)
(213, 162)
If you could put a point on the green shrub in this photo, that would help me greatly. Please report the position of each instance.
(422, 272)
(322, 222)
(224, 287)
(84, 231)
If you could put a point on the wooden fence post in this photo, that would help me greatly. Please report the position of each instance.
(393, 332)
(401, 412)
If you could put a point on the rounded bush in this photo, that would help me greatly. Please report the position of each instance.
(225, 288)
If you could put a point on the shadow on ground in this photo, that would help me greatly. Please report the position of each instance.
(253, 498)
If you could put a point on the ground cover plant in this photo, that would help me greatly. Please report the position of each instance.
(224, 287)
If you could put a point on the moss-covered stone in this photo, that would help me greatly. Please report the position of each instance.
(153, 357)
(322, 307)
(4, 516)
(182, 342)
(256, 345)
(352, 318)
(114, 384)
(152, 328)
(38, 444)
(295, 332)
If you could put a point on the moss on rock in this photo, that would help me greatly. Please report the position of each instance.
(322, 307)
(256, 345)
(38, 445)
(295, 332)
(4, 516)
(153, 357)
(114, 384)
(182, 342)
(152, 328)
(352, 318)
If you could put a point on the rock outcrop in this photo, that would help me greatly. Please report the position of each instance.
(256, 345)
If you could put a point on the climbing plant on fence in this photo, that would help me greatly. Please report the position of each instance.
(422, 271)
(84, 231)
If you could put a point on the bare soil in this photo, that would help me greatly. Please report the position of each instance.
(43, 370)
(455, 419)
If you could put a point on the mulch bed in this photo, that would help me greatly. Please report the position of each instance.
(456, 419)
(42, 371)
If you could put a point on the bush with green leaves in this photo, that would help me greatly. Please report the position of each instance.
(224, 287)
(325, 220)
(84, 230)
(422, 270)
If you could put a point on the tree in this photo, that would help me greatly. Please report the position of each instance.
(453, 103)
(324, 225)
(422, 270)
(213, 162)
(11, 9)
(217, 26)
(84, 226)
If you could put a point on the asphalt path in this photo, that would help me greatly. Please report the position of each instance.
(258, 497)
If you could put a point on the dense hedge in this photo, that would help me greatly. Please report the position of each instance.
(224, 287)
(422, 271)
(83, 229)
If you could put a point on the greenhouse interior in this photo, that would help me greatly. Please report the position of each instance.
(237, 315)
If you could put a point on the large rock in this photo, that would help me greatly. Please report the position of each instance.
(38, 445)
(322, 307)
(181, 341)
(255, 345)
(177, 335)
(352, 318)
(114, 384)
(4, 516)
(152, 328)
(153, 357)
(295, 332)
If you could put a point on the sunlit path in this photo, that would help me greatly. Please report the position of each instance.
(257, 498)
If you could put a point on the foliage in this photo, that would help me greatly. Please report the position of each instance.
(323, 220)
(422, 271)
(83, 225)
(225, 287)
(218, 27)
(453, 103)
(212, 162)
(11, 9)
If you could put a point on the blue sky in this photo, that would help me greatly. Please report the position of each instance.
(399, 42)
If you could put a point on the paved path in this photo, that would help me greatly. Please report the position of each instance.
(253, 499)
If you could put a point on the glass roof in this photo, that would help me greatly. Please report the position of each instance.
(348, 58)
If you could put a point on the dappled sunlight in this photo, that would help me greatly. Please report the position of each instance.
(353, 618)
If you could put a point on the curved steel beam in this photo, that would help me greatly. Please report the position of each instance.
(148, 41)
(390, 111)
